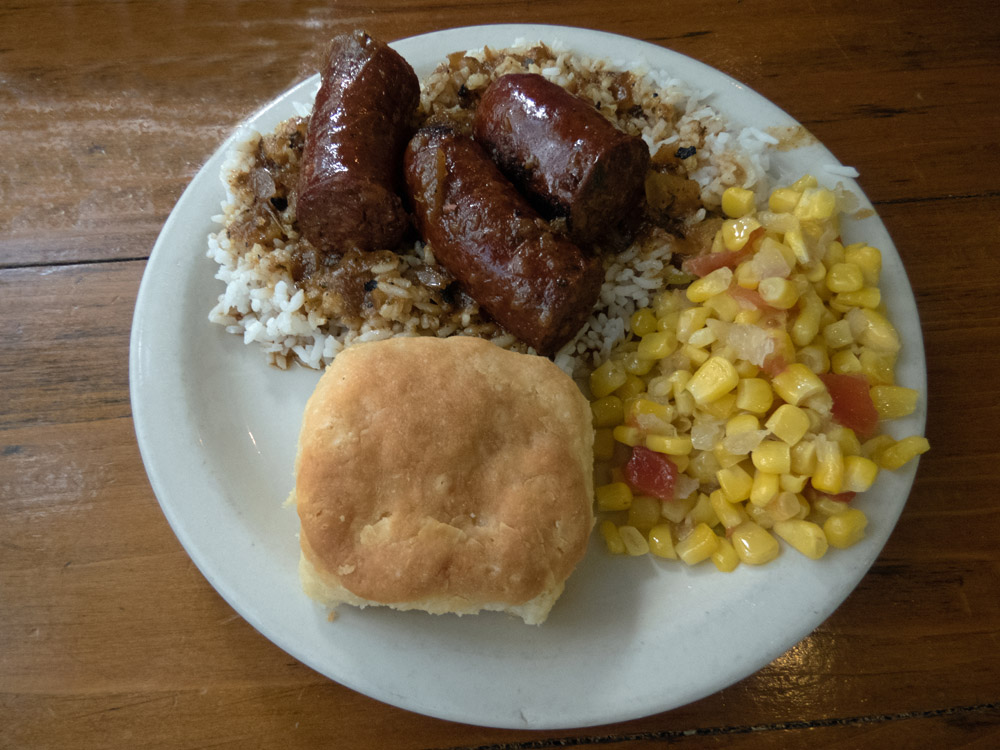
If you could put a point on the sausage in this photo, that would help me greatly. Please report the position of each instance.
(347, 189)
(561, 151)
(534, 282)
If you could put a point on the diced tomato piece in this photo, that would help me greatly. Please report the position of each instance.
(651, 473)
(852, 402)
(748, 297)
(702, 265)
(773, 364)
(811, 493)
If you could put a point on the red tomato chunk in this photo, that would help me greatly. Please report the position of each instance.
(852, 403)
(651, 473)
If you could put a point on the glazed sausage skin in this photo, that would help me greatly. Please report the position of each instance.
(347, 189)
(534, 282)
(564, 154)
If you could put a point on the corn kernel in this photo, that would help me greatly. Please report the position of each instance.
(783, 506)
(845, 362)
(634, 540)
(894, 401)
(614, 496)
(772, 456)
(679, 445)
(710, 284)
(829, 473)
(788, 423)
(676, 510)
(713, 380)
(737, 202)
(644, 406)
(701, 339)
(736, 232)
(764, 488)
(667, 302)
(815, 357)
(643, 321)
(870, 448)
(792, 482)
(604, 444)
(690, 320)
(804, 457)
(859, 473)
(742, 423)
(749, 317)
(778, 292)
(607, 412)
(797, 382)
(846, 438)
(844, 277)
(816, 204)
(636, 365)
(630, 436)
(838, 335)
(632, 387)
(644, 512)
(657, 345)
(845, 528)
(793, 238)
(873, 330)
(729, 514)
(878, 367)
(805, 181)
(721, 408)
(724, 306)
(867, 258)
(804, 536)
(783, 200)
(735, 484)
(698, 545)
(870, 297)
(824, 505)
(725, 558)
(607, 378)
(895, 456)
(754, 395)
(703, 512)
(753, 544)
(612, 539)
(805, 327)
(661, 543)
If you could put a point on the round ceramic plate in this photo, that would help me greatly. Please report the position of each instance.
(217, 428)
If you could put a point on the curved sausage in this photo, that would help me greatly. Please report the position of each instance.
(350, 164)
(560, 150)
(535, 283)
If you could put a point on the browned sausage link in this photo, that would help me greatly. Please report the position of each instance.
(535, 283)
(347, 191)
(557, 148)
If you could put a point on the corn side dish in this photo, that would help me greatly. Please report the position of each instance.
(744, 408)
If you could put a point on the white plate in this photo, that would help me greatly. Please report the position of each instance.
(630, 637)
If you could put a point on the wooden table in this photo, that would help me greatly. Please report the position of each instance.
(109, 635)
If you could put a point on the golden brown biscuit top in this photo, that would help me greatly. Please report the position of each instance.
(445, 467)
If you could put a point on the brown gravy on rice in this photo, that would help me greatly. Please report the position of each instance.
(300, 305)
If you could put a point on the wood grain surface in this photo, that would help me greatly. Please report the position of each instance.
(109, 635)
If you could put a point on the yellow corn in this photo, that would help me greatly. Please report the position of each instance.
(724, 306)
(829, 473)
(713, 380)
(873, 330)
(859, 474)
(676, 511)
(667, 302)
(698, 545)
(604, 444)
(753, 544)
(632, 387)
(783, 506)
(729, 514)
(657, 345)
(672, 446)
(896, 455)
(804, 536)
(764, 488)
(796, 383)
(630, 436)
(878, 367)
(783, 200)
(696, 355)
(772, 456)
(872, 447)
(748, 317)
(645, 406)
(869, 296)
(792, 482)
(607, 378)
(725, 558)
(737, 202)
(844, 277)
(636, 365)
(644, 512)
(778, 292)
(824, 505)
(721, 408)
(643, 321)
(710, 284)
(788, 423)
(661, 543)
(814, 356)
(846, 528)
(838, 335)
(735, 482)
(867, 258)
(703, 512)
(634, 540)
(736, 232)
(845, 362)
(614, 496)
(754, 394)
(607, 412)
(816, 204)
(690, 320)
(742, 423)
(804, 457)
(612, 539)
(894, 401)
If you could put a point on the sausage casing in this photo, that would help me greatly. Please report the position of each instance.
(347, 190)
(535, 283)
(561, 151)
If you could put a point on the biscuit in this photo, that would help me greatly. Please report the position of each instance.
(445, 475)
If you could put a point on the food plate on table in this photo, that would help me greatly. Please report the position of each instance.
(218, 427)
